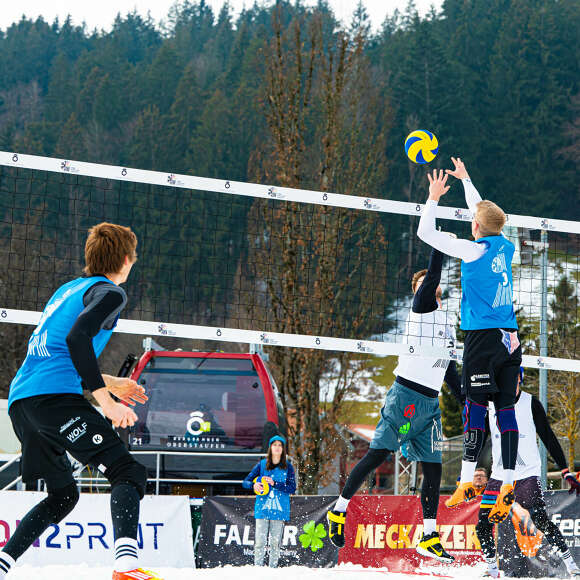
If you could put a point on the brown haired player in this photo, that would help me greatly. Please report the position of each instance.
(492, 354)
(50, 415)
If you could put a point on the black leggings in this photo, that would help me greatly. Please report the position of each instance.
(476, 438)
(374, 458)
(51, 510)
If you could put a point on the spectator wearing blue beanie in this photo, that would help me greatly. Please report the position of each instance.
(273, 481)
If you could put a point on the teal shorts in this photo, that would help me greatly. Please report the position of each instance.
(412, 421)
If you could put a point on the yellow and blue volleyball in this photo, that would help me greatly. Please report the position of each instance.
(265, 486)
(421, 146)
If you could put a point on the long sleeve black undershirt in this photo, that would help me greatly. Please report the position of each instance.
(453, 381)
(103, 302)
(546, 434)
(425, 299)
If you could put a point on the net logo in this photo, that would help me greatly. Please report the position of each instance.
(165, 331)
(546, 225)
(461, 214)
(196, 425)
(368, 204)
(361, 347)
(275, 194)
(542, 364)
(454, 354)
(172, 180)
(68, 168)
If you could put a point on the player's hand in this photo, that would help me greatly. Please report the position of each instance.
(268, 480)
(120, 415)
(519, 511)
(573, 481)
(258, 488)
(437, 184)
(126, 389)
(459, 172)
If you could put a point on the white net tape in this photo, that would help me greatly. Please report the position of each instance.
(156, 328)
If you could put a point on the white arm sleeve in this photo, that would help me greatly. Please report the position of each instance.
(464, 249)
(472, 197)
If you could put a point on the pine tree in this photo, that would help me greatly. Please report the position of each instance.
(564, 387)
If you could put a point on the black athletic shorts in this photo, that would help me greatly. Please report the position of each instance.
(491, 361)
(50, 425)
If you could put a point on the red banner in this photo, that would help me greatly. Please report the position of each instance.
(383, 531)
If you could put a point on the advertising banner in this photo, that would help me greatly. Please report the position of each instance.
(383, 531)
(228, 525)
(523, 550)
(86, 534)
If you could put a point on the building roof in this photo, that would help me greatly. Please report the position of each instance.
(365, 432)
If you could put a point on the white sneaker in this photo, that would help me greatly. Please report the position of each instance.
(492, 570)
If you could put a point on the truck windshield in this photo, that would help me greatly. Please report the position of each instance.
(201, 404)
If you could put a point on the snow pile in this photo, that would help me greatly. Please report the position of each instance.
(341, 572)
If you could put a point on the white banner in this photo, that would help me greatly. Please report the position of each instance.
(86, 534)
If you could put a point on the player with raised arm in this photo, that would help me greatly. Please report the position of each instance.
(411, 414)
(532, 421)
(51, 416)
(492, 350)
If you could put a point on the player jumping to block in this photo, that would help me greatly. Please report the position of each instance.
(411, 414)
(532, 420)
(492, 351)
(51, 416)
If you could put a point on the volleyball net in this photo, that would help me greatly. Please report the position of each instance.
(250, 263)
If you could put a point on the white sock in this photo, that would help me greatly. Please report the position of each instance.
(568, 560)
(341, 504)
(467, 471)
(508, 476)
(6, 562)
(492, 567)
(126, 555)
(428, 527)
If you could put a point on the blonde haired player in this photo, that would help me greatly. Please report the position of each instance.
(492, 353)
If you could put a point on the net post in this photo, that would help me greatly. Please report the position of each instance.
(544, 349)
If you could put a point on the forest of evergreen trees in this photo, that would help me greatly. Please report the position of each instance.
(496, 80)
(280, 94)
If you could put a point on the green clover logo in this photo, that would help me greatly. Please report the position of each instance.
(312, 536)
(404, 429)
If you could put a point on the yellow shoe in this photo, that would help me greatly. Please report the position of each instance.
(464, 492)
(503, 504)
(137, 574)
(336, 523)
(431, 547)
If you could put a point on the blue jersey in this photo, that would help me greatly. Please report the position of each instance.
(487, 287)
(275, 505)
(48, 368)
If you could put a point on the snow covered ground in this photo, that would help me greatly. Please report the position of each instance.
(341, 572)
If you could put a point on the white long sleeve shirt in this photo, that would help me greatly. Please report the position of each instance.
(464, 249)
